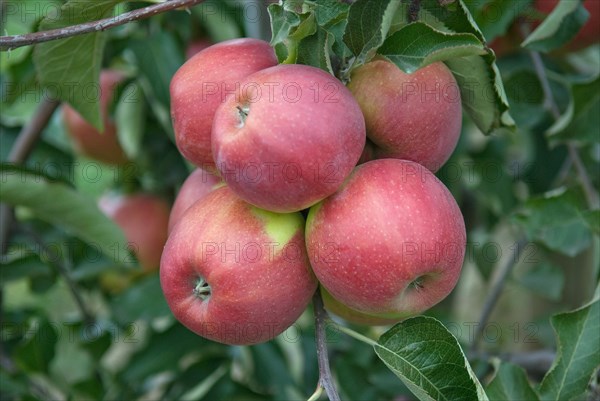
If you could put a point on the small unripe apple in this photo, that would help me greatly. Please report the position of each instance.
(87, 140)
(234, 273)
(415, 116)
(289, 139)
(390, 242)
(201, 84)
(198, 184)
(144, 219)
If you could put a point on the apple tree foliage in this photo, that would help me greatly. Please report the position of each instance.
(77, 322)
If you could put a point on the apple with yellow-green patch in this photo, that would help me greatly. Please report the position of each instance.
(234, 273)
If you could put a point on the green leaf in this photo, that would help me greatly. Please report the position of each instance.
(454, 17)
(578, 354)
(417, 45)
(70, 68)
(510, 383)
(156, 76)
(130, 119)
(37, 350)
(581, 120)
(545, 279)
(525, 95)
(217, 18)
(555, 221)
(481, 87)
(62, 206)
(495, 17)
(368, 24)
(482, 92)
(328, 11)
(429, 360)
(289, 29)
(29, 265)
(282, 23)
(592, 219)
(148, 51)
(163, 352)
(559, 27)
(315, 50)
(144, 300)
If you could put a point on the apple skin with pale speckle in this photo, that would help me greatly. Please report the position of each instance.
(202, 83)
(87, 140)
(196, 186)
(390, 242)
(236, 274)
(414, 116)
(144, 219)
(337, 308)
(290, 139)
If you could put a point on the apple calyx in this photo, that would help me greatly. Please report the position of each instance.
(417, 283)
(243, 114)
(202, 289)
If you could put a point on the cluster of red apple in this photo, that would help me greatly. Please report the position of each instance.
(385, 239)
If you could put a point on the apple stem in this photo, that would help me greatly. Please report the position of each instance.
(202, 290)
(325, 377)
(317, 394)
(357, 336)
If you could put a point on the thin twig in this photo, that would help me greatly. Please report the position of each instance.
(32, 131)
(16, 41)
(325, 377)
(356, 335)
(495, 292)
(592, 197)
(20, 151)
(536, 363)
(63, 271)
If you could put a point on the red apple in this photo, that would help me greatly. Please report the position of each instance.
(87, 140)
(589, 33)
(201, 85)
(289, 139)
(234, 273)
(195, 187)
(415, 116)
(390, 242)
(144, 219)
(196, 46)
